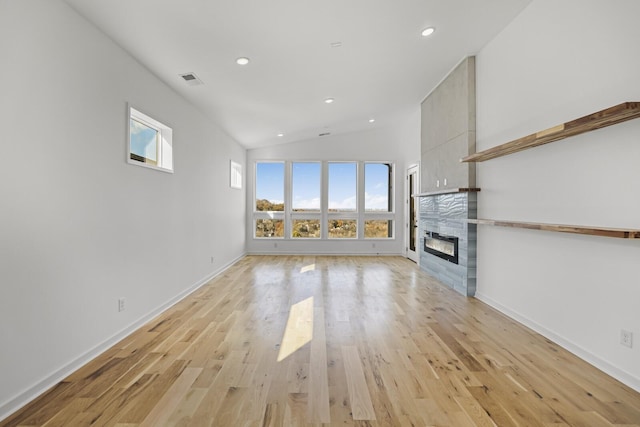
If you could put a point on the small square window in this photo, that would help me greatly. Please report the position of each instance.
(149, 142)
(236, 175)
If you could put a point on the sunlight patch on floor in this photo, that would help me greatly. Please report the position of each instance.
(299, 330)
(306, 268)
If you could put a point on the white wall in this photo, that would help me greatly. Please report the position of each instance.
(79, 227)
(556, 62)
(397, 142)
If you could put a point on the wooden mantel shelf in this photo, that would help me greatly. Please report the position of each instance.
(610, 116)
(620, 233)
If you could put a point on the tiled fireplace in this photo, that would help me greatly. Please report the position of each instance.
(443, 228)
(448, 133)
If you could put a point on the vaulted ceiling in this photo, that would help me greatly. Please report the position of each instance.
(367, 55)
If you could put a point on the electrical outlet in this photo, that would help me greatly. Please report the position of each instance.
(120, 304)
(211, 260)
(626, 338)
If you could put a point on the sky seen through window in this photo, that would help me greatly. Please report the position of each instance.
(306, 185)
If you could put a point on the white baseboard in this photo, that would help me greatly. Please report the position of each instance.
(12, 405)
(603, 365)
(332, 253)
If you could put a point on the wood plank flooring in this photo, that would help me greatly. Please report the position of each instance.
(369, 342)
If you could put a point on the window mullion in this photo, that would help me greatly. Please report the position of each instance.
(159, 148)
(288, 195)
(361, 197)
(324, 200)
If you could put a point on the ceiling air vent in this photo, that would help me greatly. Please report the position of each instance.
(191, 79)
(325, 134)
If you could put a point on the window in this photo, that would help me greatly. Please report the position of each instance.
(305, 187)
(235, 175)
(306, 228)
(342, 200)
(378, 229)
(378, 201)
(342, 229)
(377, 187)
(270, 186)
(343, 185)
(149, 142)
(305, 200)
(269, 200)
(269, 228)
(337, 200)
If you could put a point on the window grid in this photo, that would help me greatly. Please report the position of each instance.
(354, 223)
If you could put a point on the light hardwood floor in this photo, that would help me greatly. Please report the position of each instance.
(354, 341)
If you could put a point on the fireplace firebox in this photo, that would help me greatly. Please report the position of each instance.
(445, 247)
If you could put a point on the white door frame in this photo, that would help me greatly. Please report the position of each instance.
(412, 249)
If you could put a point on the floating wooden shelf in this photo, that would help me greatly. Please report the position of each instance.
(610, 116)
(448, 191)
(620, 233)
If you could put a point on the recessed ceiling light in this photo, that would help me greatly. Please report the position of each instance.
(281, 134)
(372, 120)
(428, 31)
(329, 100)
(336, 44)
(242, 61)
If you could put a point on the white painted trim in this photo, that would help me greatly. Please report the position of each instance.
(332, 253)
(21, 399)
(407, 212)
(585, 355)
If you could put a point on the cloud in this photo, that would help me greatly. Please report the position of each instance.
(307, 204)
(143, 140)
(348, 204)
(137, 127)
(376, 202)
